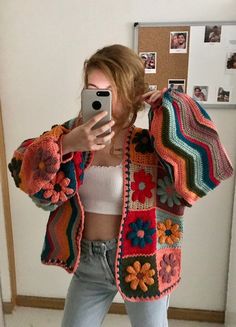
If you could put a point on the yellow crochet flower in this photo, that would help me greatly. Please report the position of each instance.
(140, 275)
(168, 232)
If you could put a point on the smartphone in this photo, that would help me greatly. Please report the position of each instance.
(94, 101)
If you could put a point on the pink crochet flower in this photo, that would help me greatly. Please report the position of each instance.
(57, 188)
(168, 267)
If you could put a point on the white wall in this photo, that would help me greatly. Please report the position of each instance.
(44, 44)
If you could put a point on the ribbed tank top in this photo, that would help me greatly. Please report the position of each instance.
(102, 189)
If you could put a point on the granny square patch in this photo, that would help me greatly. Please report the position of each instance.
(142, 187)
(138, 277)
(61, 187)
(169, 230)
(140, 233)
(167, 196)
(169, 266)
(141, 148)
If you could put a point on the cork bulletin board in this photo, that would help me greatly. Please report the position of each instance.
(195, 58)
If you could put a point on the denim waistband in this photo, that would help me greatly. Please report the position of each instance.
(98, 247)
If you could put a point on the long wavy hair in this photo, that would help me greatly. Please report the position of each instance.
(125, 70)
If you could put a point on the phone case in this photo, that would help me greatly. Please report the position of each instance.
(94, 101)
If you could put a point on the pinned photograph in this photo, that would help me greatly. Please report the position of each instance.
(200, 93)
(223, 95)
(177, 84)
(178, 42)
(231, 60)
(212, 34)
(150, 61)
(152, 87)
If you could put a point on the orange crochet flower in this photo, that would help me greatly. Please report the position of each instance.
(142, 186)
(57, 188)
(168, 232)
(140, 276)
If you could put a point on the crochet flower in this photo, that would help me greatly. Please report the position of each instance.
(14, 166)
(167, 192)
(143, 142)
(168, 232)
(140, 275)
(141, 234)
(168, 265)
(57, 189)
(142, 186)
(43, 164)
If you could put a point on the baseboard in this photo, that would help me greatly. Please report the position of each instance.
(119, 308)
(197, 315)
(181, 314)
(40, 302)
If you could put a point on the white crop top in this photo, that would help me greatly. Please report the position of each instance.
(102, 189)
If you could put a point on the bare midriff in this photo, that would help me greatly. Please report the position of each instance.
(101, 227)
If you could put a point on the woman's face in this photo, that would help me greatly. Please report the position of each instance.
(98, 80)
(175, 40)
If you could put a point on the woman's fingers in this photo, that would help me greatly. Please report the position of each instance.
(84, 138)
(89, 126)
(153, 97)
(97, 147)
(105, 139)
(103, 129)
(95, 119)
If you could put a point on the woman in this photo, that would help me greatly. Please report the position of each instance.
(117, 201)
(198, 94)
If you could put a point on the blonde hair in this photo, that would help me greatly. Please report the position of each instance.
(125, 70)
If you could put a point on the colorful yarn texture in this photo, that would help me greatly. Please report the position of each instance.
(186, 138)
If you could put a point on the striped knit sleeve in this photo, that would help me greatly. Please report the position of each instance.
(186, 138)
(40, 170)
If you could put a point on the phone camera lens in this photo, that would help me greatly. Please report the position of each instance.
(96, 105)
(103, 94)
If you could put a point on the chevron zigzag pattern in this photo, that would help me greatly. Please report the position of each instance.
(187, 139)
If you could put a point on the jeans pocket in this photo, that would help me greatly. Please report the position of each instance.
(84, 260)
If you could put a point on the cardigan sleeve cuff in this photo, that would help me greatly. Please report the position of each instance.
(65, 157)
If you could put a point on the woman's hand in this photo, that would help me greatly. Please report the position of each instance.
(85, 138)
(153, 98)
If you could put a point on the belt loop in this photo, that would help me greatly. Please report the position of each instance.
(90, 248)
(99, 248)
(103, 248)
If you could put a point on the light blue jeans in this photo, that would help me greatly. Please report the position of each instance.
(93, 288)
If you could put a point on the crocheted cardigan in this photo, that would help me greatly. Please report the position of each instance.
(165, 168)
